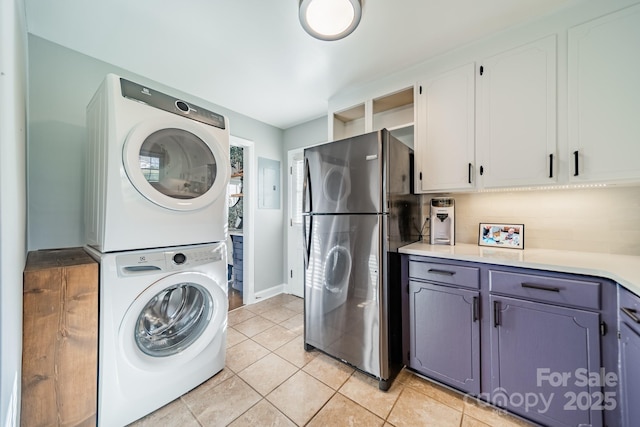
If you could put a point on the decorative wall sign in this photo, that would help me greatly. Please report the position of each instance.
(510, 236)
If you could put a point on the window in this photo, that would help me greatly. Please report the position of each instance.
(150, 167)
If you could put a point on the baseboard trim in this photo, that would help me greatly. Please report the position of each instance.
(267, 293)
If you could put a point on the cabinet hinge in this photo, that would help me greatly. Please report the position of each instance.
(420, 90)
(481, 70)
(603, 328)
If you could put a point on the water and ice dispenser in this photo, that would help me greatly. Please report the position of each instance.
(442, 220)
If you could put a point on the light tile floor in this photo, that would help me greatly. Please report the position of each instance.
(270, 380)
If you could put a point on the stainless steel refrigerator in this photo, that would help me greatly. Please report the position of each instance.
(358, 209)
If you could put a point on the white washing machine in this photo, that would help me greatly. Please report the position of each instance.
(163, 326)
(157, 170)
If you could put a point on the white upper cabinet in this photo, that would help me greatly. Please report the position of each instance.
(445, 115)
(604, 98)
(349, 122)
(393, 111)
(516, 116)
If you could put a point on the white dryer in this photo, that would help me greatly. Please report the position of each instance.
(163, 324)
(157, 170)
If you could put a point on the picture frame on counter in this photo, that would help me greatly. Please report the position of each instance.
(508, 236)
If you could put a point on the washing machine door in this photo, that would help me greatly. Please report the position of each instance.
(177, 164)
(176, 317)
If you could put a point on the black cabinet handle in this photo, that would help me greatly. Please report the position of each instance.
(540, 287)
(475, 309)
(481, 170)
(631, 312)
(441, 272)
(575, 163)
(496, 314)
(550, 165)
(470, 167)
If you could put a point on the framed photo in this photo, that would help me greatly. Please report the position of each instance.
(509, 236)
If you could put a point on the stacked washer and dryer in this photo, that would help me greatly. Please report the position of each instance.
(156, 220)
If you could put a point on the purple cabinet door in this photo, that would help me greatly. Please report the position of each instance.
(445, 334)
(542, 359)
(629, 375)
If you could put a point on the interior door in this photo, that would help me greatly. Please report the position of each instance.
(295, 247)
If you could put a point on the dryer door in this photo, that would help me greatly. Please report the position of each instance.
(177, 164)
(176, 317)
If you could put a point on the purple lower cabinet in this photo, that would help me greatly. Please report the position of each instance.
(445, 334)
(630, 375)
(545, 363)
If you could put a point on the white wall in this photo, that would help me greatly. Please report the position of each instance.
(603, 220)
(13, 94)
(61, 83)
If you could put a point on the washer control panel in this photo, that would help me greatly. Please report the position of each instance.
(178, 259)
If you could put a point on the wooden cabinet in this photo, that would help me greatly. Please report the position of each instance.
(444, 313)
(543, 349)
(490, 126)
(629, 324)
(442, 317)
(516, 116)
(60, 338)
(541, 344)
(604, 98)
(445, 131)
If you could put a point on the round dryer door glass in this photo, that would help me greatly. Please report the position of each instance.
(173, 319)
(177, 163)
(337, 268)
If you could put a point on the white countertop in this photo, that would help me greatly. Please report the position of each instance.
(624, 269)
(235, 232)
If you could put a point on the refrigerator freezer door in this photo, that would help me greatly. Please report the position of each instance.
(344, 176)
(342, 288)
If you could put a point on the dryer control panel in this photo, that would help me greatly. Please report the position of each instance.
(168, 103)
(176, 259)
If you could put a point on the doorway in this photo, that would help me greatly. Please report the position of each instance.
(295, 245)
(241, 195)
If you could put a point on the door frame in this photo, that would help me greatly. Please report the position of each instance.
(250, 192)
(290, 154)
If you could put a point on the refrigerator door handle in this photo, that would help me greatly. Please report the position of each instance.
(307, 239)
(306, 187)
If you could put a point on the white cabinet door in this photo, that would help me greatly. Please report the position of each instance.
(604, 98)
(516, 111)
(445, 131)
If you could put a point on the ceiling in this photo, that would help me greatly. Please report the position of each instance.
(253, 57)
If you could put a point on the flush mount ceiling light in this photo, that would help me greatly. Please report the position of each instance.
(330, 19)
